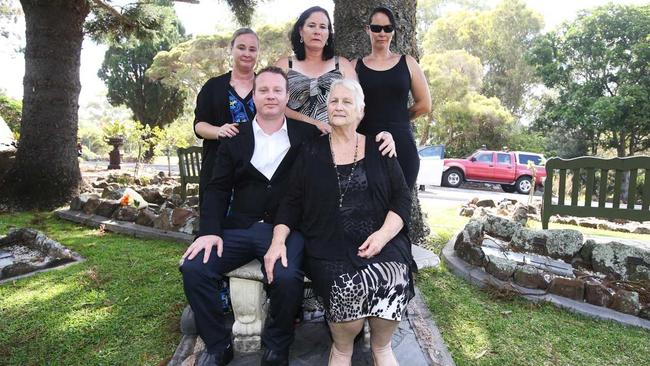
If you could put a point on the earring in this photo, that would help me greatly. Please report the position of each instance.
(301, 41)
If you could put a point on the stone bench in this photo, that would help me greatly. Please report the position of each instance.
(248, 300)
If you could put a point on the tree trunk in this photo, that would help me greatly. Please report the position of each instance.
(46, 173)
(351, 18)
(351, 40)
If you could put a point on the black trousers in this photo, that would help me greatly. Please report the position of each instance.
(240, 246)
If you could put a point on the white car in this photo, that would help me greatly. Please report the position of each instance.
(431, 164)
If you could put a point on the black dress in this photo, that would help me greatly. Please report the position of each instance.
(350, 287)
(217, 104)
(386, 97)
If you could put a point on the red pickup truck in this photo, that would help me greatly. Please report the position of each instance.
(507, 168)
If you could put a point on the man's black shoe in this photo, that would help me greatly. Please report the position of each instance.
(275, 358)
(216, 359)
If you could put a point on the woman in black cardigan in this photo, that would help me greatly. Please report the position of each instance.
(351, 204)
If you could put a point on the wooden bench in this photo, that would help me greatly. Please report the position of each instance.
(584, 169)
(189, 165)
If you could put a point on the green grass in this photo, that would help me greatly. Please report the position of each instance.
(121, 306)
(493, 328)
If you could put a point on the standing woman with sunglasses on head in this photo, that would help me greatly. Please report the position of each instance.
(386, 79)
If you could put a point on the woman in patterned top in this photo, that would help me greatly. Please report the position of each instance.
(351, 204)
(313, 68)
(226, 100)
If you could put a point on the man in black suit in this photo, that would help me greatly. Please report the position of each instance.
(250, 177)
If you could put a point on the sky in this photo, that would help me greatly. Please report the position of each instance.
(210, 16)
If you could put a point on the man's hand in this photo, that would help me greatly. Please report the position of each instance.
(388, 144)
(205, 243)
(276, 251)
(227, 130)
(373, 245)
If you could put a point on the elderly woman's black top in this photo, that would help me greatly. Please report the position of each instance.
(312, 203)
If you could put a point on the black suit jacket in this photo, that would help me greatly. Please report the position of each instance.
(238, 194)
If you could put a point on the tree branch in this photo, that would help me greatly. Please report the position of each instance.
(111, 10)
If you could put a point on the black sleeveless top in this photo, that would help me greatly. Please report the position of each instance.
(386, 96)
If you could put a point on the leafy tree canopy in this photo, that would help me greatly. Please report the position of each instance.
(499, 38)
(189, 64)
(598, 68)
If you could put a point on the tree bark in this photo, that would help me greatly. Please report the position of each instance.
(351, 41)
(46, 173)
(351, 18)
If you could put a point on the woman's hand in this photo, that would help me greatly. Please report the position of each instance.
(373, 245)
(323, 127)
(387, 144)
(227, 130)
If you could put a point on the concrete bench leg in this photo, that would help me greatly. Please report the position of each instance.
(248, 304)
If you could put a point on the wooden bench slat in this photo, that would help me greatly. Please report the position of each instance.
(575, 186)
(602, 192)
(562, 189)
(631, 190)
(646, 190)
(618, 179)
(589, 190)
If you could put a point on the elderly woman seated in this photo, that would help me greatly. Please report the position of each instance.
(351, 204)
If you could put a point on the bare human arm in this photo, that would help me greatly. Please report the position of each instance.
(377, 240)
(419, 89)
(212, 132)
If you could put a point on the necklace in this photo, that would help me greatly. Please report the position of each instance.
(342, 192)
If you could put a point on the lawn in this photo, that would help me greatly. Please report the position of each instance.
(122, 307)
(119, 307)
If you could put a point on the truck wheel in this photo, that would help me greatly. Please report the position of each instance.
(508, 188)
(524, 185)
(452, 178)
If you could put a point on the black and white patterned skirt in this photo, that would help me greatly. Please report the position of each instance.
(378, 289)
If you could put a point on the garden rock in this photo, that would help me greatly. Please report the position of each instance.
(471, 254)
(562, 244)
(629, 261)
(90, 206)
(485, 203)
(78, 202)
(598, 294)
(567, 287)
(180, 216)
(626, 302)
(163, 220)
(191, 226)
(500, 226)
(145, 217)
(107, 208)
(642, 230)
(500, 268)
(151, 195)
(529, 276)
(17, 269)
(466, 211)
(127, 213)
(520, 214)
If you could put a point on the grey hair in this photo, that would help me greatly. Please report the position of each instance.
(354, 87)
(242, 31)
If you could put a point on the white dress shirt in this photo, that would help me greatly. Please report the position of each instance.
(269, 149)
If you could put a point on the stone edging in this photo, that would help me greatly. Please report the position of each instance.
(478, 277)
(123, 227)
(427, 333)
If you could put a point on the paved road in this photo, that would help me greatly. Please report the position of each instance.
(446, 197)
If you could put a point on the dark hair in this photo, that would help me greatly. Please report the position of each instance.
(242, 31)
(387, 12)
(272, 70)
(294, 37)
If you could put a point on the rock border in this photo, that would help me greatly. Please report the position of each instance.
(478, 277)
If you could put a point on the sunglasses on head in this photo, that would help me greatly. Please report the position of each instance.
(374, 28)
